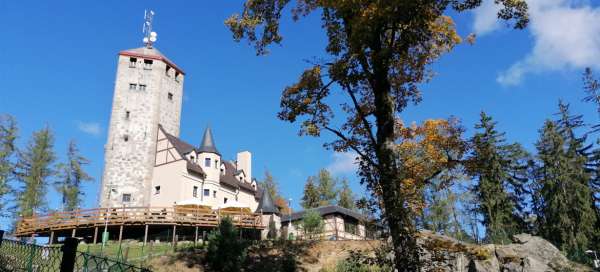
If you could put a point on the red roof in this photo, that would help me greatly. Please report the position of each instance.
(150, 53)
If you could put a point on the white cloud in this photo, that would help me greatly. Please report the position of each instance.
(343, 163)
(92, 128)
(565, 33)
(486, 18)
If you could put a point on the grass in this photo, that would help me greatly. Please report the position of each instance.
(132, 252)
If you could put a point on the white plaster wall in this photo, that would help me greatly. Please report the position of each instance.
(213, 172)
(244, 162)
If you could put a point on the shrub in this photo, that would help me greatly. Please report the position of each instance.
(225, 252)
(312, 223)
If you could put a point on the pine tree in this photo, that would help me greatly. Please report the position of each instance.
(71, 175)
(8, 134)
(345, 196)
(34, 170)
(564, 205)
(310, 197)
(326, 188)
(499, 192)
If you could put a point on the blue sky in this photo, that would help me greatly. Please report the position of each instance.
(58, 65)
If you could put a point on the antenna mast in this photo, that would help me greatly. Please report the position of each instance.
(149, 35)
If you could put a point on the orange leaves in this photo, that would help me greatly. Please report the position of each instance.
(425, 151)
(282, 205)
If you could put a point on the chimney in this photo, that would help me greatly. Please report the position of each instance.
(244, 162)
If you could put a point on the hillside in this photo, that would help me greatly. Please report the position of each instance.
(527, 254)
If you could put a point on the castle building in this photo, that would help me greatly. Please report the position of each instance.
(146, 163)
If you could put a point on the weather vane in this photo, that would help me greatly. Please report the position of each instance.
(149, 35)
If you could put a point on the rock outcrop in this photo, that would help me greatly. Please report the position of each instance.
(526, 254)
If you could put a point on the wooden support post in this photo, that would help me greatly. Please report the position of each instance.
(120, 233)
(73, 232)
(174, 231)
(95, 235)
(196, 237)
(51, 239)
(146, 235)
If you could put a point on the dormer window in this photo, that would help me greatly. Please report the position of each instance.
(192, 158)
(132, 62)
(148, 64)
(207, 162)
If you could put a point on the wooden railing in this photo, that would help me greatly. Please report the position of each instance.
(134, 216)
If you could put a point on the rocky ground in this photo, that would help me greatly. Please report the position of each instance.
(527, 254)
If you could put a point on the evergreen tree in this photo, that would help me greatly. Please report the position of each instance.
(564, 205)
(71, 175)
(8, 134)
(310, 197)
(346, 197)
(34, 169)
(326, 188)
(499, 191)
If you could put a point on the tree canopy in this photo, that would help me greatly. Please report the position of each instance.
(378, 52)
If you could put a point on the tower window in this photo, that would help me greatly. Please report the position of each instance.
(132, 62)
(207, 162)
(132, 86)
(125, 137)
(216, 164)
(206, 192)
(176, 76)
(170, 96)
(195, 191)
(142, 87)
(168, 71)
(127, 115)
(215, 194)
(157, 190)
(126, 198)
(148, 64)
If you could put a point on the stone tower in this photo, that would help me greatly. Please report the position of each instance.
(148, 93)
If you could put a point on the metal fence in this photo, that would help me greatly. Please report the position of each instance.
(86, 262)
(22, 256)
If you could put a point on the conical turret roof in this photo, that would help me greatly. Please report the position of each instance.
(208, 143)
(266, 204)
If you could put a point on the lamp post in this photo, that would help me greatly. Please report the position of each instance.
(596, 261)
(290, 217)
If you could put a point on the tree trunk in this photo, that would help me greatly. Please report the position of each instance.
(399, 216)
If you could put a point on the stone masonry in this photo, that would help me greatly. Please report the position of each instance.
(145, 96)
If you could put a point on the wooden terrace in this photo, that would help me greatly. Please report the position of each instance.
(140, 217)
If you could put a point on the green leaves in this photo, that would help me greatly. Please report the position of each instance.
(563, 200)
(34, 170)
(8, 134)
(495, 165)
(70, 176)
